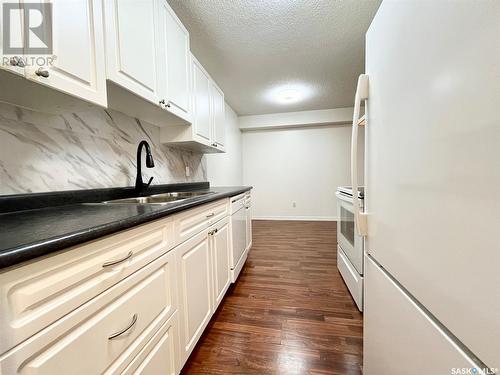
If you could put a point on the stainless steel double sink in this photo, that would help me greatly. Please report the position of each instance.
(161, 199)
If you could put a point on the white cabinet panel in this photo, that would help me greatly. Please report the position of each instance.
(195, 290)
(248, 208)
(103, 334)
(220, 247)
(175, 61)
(218, 116)
(191, 222)
(10, 61)
(399, 337)
(239, 235)
(201, 103)
(78, 46)
(208, 115)
(132, 53)
(37, 294)
(160, 354)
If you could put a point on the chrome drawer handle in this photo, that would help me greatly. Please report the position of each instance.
(211, 215)
(113, 262)
(121, 332)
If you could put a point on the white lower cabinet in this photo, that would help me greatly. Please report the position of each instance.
(135, 302)
(220, 247)
(204, 277)
(102, 335)
(248, 214)
(195, 291)
(160, 355)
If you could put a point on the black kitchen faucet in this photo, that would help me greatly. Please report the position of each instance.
(139, 184)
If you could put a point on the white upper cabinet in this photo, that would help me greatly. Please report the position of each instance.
(218, 116)
(12, 61)
(74, 65)
(201, 104)
(132, 51)
(208, 115)
(147, 61)
(174, 47)
(78, 47)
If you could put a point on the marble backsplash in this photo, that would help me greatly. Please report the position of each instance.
(95, 148)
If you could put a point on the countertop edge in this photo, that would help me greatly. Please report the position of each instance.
(15, 256)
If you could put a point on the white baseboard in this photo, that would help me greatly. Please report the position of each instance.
(297, 218)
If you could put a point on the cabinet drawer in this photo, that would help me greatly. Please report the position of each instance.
(160, 355)
(35, 295)
(104, 333)
(352, 279)
(188, 224)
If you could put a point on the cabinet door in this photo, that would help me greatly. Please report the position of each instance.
(195, 290)
(201, 103)
(174, 39)
(248, 212)
(218, 116)
(220, 247)
(12, 61)
(132, 48)
(78, 49)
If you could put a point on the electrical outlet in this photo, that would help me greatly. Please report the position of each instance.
(188, 172)
(294, 204)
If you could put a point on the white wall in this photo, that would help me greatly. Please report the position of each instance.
(226, 169)
(302, 165)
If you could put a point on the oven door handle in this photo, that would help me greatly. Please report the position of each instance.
(361, 94)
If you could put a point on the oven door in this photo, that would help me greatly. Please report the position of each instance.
(350, 242)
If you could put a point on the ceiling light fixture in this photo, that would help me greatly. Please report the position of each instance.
(288, 96)
(289, 93)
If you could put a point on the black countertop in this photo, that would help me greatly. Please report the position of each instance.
(55, 221)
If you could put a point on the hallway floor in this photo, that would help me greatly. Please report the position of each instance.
(289, 312)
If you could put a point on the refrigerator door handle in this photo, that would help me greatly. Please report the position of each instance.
(361, 94)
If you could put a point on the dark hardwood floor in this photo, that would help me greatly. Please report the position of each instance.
(288, 313)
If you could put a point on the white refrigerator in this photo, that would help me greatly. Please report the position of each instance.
(432, 188)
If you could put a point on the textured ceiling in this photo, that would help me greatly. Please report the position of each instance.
(253, 46)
